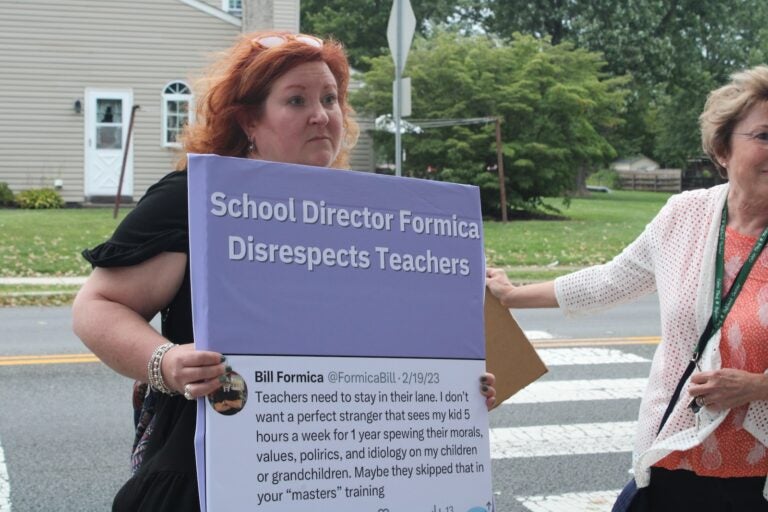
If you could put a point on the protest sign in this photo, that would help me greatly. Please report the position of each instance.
(350, 307)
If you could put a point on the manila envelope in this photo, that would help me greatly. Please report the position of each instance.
(508, 353)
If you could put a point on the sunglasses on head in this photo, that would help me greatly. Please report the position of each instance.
(273, 40)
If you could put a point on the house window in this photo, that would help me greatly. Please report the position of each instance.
(234, 7)
(109, 123)
(176, 99)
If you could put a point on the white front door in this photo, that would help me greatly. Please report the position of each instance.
(107, 114)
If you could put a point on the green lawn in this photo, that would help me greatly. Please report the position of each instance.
(599, 227)
(49, 242)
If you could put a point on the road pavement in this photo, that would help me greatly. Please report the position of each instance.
(562, 444)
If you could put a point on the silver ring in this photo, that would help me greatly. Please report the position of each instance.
(700, 401)
(188, 393)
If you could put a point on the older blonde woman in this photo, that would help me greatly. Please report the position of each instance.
(712, 456)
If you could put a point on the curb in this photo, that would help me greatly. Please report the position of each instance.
(75, 281)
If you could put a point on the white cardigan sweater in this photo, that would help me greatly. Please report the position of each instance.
(675, 255)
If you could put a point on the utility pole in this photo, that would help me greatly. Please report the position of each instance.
(500, 165)
(260, 15)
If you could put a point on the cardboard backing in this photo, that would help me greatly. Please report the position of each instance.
(508, 353)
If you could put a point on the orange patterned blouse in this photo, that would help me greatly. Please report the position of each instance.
(731, 451)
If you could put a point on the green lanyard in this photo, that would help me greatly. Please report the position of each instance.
(719, 308)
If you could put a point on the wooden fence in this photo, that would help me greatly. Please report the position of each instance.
(662, 180)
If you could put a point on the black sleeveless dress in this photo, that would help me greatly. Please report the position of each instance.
(166, 478)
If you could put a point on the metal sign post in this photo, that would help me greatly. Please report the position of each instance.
(400, 30)
(398, 97)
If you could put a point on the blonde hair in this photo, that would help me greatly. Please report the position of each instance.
(240, 81)
(728, 105)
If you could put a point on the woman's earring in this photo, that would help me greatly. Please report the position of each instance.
(251, 146)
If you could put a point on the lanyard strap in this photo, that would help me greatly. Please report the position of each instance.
(720, 306)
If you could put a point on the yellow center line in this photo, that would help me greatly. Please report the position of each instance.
(597, 342)
(47, 359)
(26, 360)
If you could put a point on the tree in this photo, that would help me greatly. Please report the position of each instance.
(362, 24)
(711, 40)
(675, 51)
(556, 105)
(540, 18)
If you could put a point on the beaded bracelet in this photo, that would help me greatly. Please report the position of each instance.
(154, 371)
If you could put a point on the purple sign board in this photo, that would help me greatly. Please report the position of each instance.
(350, 306)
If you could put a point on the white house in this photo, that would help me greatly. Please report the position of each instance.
(74, 71)
(637, 163)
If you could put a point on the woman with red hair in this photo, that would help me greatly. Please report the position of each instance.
(238, 85)
(273, 96)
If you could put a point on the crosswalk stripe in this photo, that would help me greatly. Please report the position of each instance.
(579, 390)
(5, 486)
(579, 356)
(600, 501)
(538, 335)
(517, 443)
(568, 439)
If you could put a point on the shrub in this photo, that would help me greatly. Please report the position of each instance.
(39, 199)
(606, 178)
(6, 196)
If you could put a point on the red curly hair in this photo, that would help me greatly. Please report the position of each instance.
(238, 84)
